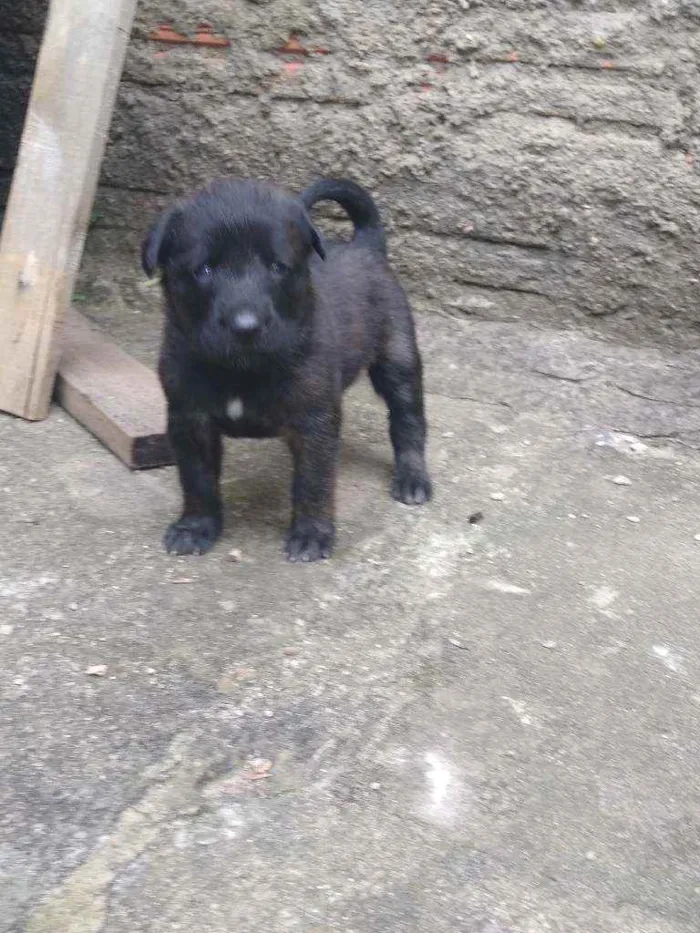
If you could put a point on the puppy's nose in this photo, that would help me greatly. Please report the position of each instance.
(246, 323)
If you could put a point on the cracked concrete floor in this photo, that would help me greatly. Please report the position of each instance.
(489, 727)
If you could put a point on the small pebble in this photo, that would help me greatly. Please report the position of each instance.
(375, 785)
(291, 651)
(182, 580)
(269, 714)
(696, 537)
(634, 519)
(18, 681)
(6, 629)
(260, 765)
(235, 556)
(455, 642)
(549, 644)
(97, 670)
(497, 496)
(73, 607)
(621, 480)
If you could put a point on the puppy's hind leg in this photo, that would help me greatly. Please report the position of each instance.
(196, 443)
(398, 377)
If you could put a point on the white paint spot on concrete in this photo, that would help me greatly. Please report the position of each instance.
(447, 795)
(438, 778)
(438, 556)
(520, 710)
(623, 443)
(603, 597)
(620, 480)
(234, 409)
(667, 657)
(503, 586)
(11, 589)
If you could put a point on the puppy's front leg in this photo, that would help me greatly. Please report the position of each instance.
(314, 445)
(196, 443)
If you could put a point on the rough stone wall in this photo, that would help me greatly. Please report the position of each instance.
(537, 159)
(21, 25)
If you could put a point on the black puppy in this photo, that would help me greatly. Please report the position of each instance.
(265, 327)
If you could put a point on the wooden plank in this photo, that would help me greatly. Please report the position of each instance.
(115, 397)
(52, 191)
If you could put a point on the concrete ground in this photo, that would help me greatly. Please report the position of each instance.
(487, 726)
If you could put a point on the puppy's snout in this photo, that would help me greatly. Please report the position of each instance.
(246, 323)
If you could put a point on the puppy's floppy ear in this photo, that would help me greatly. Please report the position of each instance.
(312, 235)
(154, 248)
(317, 241)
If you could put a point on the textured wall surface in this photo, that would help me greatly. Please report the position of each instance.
(533, 159)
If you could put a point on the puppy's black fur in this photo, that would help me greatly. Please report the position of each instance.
(265, 327)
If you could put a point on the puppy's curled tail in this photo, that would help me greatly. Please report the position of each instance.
(359, 205)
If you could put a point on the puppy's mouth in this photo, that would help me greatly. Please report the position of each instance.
(271, 346)
(233, 350)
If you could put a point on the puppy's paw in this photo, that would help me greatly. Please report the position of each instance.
(309, 539)
(412, 486)
(193, 534)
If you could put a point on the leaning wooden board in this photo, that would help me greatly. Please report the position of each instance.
(115, 397)
(53, 187)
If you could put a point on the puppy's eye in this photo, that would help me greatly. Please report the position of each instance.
(279, 268)
(203, 273)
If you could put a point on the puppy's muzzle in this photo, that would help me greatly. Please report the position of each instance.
(245, 324)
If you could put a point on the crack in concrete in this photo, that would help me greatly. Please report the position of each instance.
(491, 287)
(550, 375)
(653, 398)
(498, 403)
(80, 904)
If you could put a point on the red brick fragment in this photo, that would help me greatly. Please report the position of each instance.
(293, 47)
(165, 33)
(203, 36)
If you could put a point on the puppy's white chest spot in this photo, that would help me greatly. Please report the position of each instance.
(234, 409)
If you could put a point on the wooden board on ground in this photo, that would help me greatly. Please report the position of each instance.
(115, 397)
(52, 191)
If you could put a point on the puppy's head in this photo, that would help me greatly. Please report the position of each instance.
(235, 268)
